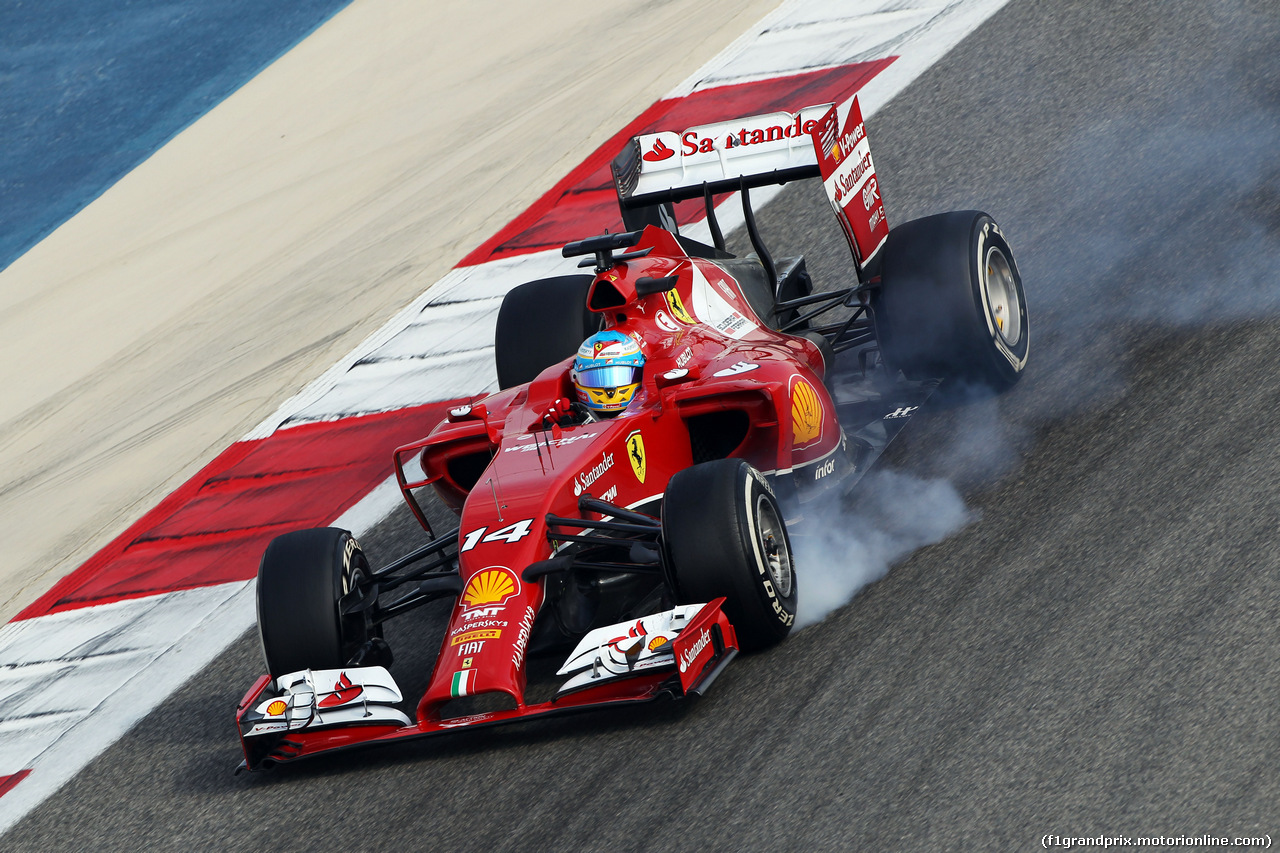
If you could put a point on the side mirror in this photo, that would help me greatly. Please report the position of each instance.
(646, 285)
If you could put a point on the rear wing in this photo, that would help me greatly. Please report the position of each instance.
(666, 167)
(827, 141)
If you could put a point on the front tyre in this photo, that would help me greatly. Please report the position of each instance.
(724, 535)
(300, 580)
(950, 303)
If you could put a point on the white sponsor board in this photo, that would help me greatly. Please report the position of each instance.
(730, 149)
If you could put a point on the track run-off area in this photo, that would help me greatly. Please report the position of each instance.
(1092, 653)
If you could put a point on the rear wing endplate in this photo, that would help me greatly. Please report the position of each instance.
(849, 177)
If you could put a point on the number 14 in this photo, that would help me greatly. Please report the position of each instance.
(510, 533)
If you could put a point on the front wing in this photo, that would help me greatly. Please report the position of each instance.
(675, 654)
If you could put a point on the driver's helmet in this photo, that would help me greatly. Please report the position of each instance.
(607, 372)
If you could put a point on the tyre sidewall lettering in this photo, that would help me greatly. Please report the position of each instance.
(349, 549)
(766, 584)
(989, 235)
(354, 629)
(784, 617)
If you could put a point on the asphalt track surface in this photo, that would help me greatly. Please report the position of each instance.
(1096, 654)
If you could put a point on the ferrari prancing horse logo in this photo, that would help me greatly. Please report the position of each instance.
(676, 304)
(635, 454)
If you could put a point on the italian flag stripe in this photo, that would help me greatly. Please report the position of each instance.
(463, 683)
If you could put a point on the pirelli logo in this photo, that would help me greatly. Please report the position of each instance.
(472, 636)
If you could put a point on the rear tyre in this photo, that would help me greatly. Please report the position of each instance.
(950, 302)
(541, 323)
(724, 536)
(300, 579)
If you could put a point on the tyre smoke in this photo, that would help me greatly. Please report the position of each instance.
(839, 550)
(1158, 218)
(1152, 217)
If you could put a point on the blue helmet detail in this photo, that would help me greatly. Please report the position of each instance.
(607, 371)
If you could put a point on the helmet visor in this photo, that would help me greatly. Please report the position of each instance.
(609, 376)
(607, 399)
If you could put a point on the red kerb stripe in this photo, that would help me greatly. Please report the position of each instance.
(7, 783)
(214, 527)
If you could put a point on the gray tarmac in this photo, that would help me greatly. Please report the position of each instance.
(1095, 653)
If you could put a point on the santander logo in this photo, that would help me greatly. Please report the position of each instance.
(696, 649)
(586, 478)
(343, 692)
(659, 152)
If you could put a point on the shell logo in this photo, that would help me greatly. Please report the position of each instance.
(277, 708)
(656, 642)
(493, 585)
(806, 414)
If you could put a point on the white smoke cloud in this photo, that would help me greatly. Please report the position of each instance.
(838, 552)
(1166, 220)
(1152, 218)
(1160, 220)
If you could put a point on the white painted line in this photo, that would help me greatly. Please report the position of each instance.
(921, 46)
(460, 308)
(823, 35)
(373, 508)
(743, 44)
(73, 683)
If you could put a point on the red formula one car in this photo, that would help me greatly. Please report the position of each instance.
(646, 544)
